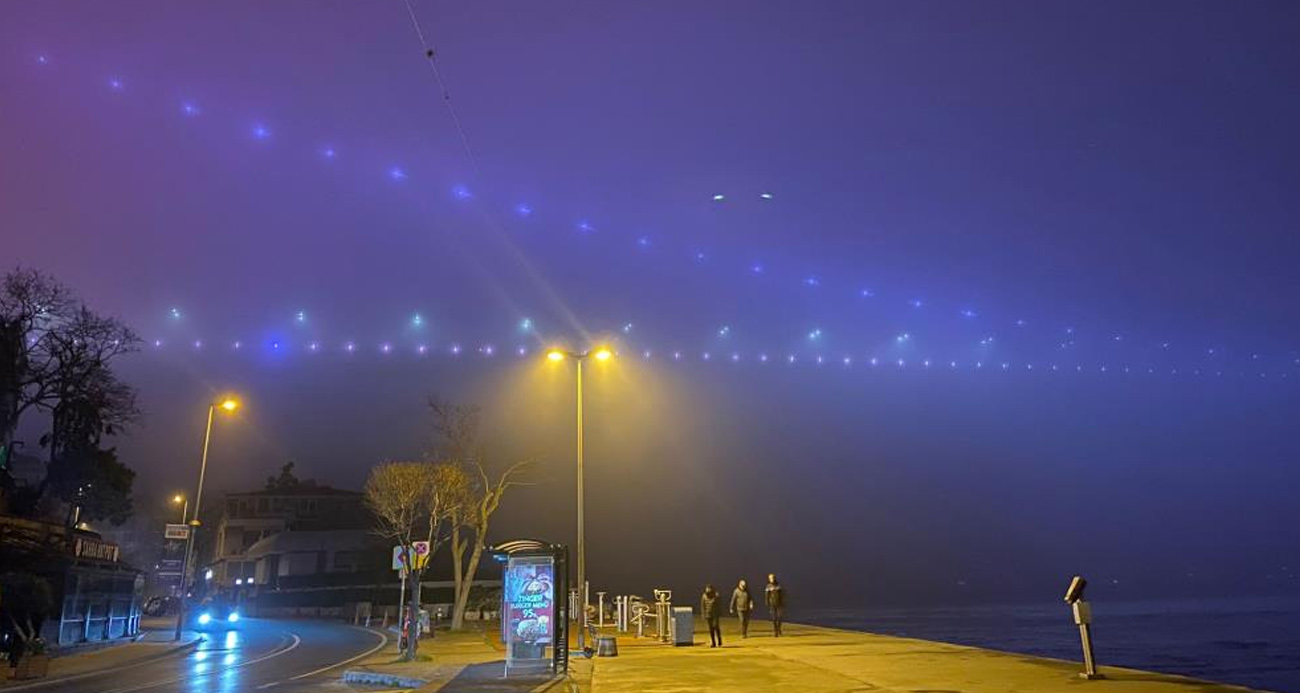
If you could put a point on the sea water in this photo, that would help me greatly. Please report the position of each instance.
(1253, 642)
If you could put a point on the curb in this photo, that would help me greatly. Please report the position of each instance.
(373, 678)
(177, 649)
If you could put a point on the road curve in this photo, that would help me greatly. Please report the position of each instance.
(260, 655)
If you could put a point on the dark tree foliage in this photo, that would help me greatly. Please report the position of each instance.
(27, 601)
(55, 358)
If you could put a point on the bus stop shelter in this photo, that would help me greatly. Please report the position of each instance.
(534, 607)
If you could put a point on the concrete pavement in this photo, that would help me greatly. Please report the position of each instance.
(814, 659)
(806, 659)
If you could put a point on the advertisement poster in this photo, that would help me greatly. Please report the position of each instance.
(530, 601)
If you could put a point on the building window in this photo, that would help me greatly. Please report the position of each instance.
(347, 561)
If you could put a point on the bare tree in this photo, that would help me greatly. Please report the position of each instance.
(55, 357)
(413, 501)
(31, 306)
(455, 431)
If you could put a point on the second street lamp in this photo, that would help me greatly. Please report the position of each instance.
(555, 356)
(228, 405)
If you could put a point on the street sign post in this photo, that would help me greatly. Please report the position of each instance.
(179, 532)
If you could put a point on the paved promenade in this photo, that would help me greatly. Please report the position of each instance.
(812, 659)
(805, 659)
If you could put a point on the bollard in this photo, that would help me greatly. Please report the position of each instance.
(600, 609)
(1083, 618)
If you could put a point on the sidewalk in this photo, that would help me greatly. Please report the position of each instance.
(470, 660)
(75, 664)
(808, 659)
(814, 659)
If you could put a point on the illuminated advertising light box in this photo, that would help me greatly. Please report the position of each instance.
(528, 619)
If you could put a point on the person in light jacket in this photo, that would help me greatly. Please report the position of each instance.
(742, 603)
(711, 611)
(774, 596)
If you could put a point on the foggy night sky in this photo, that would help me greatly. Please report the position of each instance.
(1118, 169)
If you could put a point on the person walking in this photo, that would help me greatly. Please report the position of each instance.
(774, 596)
(741, 604)
(711, 611)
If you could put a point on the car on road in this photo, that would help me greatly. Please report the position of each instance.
(212, 614)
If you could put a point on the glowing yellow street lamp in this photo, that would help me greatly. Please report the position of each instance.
(180, 499)
(227, 404)
(555, 356)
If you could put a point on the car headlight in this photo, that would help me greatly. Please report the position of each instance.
(234, 616)
(205, 618)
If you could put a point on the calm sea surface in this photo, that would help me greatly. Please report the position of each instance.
(1253, 642)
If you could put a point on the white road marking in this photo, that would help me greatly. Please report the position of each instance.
(383, 640)
(271, 655)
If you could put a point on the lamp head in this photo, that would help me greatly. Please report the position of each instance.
(228, 404)
(555, 355)
(602, 354)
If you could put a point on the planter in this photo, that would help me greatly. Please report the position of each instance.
(32, 667)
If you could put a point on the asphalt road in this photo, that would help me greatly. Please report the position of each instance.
(258, 655)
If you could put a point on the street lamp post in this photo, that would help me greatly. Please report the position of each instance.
(556, 355)
(184, 502)
(185, 511)
(228, 405)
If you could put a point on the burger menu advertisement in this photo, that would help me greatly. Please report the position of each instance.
(530, 600)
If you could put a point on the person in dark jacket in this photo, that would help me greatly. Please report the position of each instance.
(774, 596)
(711, 611)
(741, 605)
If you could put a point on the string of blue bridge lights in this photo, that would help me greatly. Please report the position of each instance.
(626, 347)
(814, 352)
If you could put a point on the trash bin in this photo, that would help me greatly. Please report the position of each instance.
(606, 646)
(683, 626)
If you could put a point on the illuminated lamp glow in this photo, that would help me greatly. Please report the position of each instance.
(555, 355)
(602, 354)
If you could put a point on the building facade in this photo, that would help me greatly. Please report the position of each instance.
(253, 516)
